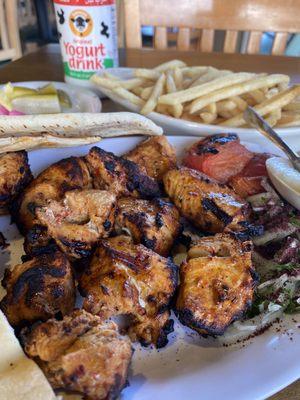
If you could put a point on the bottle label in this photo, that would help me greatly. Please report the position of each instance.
(88, 36)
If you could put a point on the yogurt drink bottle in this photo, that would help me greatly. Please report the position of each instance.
(88, 37)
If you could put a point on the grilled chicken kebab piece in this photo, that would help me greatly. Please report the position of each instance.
(81, 353)
(15, 175)
(78, 221)
(51, 184)
(216, 284)
(121, 176)
(210, 206)
(155, 223)
(155, 155)
(38, 289)
(128, 279)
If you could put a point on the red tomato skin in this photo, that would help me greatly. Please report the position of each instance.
(218, 156)
(248, 181)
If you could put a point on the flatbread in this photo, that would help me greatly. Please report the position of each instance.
(78, 125)
(20, 377)
(42, 141)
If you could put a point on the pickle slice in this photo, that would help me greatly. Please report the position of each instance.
(64, 99)
(5, 101)
(47, 89)
(17, 91)
(37, 104)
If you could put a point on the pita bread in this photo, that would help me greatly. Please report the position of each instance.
(43, 141)
(20, 377)
(78, 125)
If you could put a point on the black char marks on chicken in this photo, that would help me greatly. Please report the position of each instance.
(15, 175)
(3, 243)
(38, 289)
(122, 176)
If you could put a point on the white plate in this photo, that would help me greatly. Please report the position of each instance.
(174, 126)
(83, 100)
(190, 367)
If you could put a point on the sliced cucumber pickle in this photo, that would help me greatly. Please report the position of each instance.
(37, 104)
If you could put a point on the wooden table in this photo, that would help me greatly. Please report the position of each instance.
(46, 64)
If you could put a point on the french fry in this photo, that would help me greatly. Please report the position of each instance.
(170, 83)
(269, 105)
(257, 95)
(176, 110)
(234, 112)
(156, 93)
(292, 107)
(193, 72)
(151, 74)
(208, 118)
(146, 92)
(211, 108)
(248, 99)
(237, 89)
(137, 90)
(130, 84)
(111, 76)
(162, 109)
(240, 103)
(186, 83)
(289, 118)
(178, 79)
(170, 65)
(110, 83)
(195, 77)
(206, 88)
(190, 117)
(273, 117)
(226, 114)
(210, 75)
(104, 81)
(225, 105)
(126, 94)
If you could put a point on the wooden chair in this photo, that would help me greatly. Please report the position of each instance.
(232, 16)
(9, 31)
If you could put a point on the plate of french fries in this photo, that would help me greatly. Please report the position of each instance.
(200, 100)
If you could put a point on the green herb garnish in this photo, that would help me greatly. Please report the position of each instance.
(286, 267)
(295, 221)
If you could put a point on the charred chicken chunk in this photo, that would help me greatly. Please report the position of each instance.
(38, 289)
(15, 175)
(37, 241)
(121, 176)
(128, 279)
(3, 242)
(155, 224)
(210, 206)
(78, 221)
(216, 284)
(155, 154)
(81, 353)
(51, 184)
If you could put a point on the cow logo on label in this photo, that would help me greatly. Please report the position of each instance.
(81, 23)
